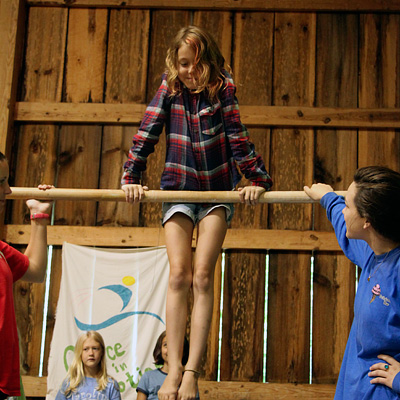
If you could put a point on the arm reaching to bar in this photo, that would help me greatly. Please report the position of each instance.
(14, 265)
(37, 246)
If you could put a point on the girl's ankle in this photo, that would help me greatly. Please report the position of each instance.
(175, 371)
(196, 374)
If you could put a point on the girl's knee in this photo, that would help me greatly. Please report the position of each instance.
(203, 280)
(179, 279)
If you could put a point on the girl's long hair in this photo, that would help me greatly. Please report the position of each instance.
(209, 61)
(76, 373)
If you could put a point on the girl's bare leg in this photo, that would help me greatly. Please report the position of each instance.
(212, 230)
(178, 238)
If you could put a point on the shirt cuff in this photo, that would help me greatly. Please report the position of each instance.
(396, 383)
(262, 183)
(326, 198)
(130, 180)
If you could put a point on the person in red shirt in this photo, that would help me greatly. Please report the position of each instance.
(14, 265)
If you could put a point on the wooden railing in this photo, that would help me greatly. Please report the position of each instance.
(174, 196)
(251, 5)
(284, 116)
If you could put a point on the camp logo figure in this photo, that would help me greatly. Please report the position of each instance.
(376, 291)
(125, 294)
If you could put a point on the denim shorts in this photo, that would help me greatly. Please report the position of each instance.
(195, 211)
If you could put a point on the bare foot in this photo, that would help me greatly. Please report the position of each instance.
(169, 389)
(189, 386)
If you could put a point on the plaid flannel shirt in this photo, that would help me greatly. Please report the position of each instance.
(205, 142)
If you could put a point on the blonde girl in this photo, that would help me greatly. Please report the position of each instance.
(87, 375)
(206, 142)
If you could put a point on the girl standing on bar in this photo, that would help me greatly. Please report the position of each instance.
(206, 142)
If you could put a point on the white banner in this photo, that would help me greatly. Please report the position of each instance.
(119, 293)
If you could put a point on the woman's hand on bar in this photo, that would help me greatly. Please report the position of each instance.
(36, 206)
(317, 190)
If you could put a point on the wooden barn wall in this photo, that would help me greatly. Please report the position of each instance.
(278, 59)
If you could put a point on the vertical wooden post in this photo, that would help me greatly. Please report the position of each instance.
(12, 30)
(44, 62)
(379, 85)
(80, 145)
(244, 288)
(291, 166)
(42, 81)
(335, 163)
(127, 59)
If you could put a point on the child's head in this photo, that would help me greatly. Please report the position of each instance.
(377, 197)
(203, 69)
(160, 350)
(90, 353)
(89, 360)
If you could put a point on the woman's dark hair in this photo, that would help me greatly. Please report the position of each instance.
(378, 199)
(158, 360)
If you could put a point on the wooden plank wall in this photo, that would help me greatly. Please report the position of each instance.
(335, 160)
(314, 58)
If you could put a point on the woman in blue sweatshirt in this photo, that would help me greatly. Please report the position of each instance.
(367, 226)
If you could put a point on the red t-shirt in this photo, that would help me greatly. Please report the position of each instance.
(13, 266)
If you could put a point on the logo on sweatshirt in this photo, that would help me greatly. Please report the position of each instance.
(376, 292)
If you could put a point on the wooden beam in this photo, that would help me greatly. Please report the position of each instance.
(211, 390)
(157, 196)
(263, 391)
(12, 22)
(251, 239)
(254, 5)
(79, 112)
(34, 386)
(284, 116)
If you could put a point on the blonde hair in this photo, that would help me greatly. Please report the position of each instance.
(209, 61)
(76, 373)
